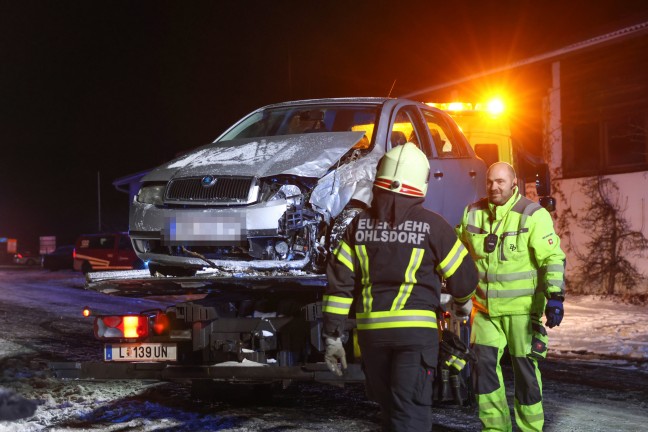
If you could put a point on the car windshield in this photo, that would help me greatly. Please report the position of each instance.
(307, 119)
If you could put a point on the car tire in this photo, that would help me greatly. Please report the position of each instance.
(31, 262)
(86, 267)
(158, 269)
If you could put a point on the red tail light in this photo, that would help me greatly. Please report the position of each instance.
(160, 323)
(74, 253)
(121, 327)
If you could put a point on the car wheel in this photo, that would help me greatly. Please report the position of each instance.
(31, 262)
(86, 267)
(162, 270)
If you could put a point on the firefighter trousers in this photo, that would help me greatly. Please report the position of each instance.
(490, 336)
(401, 381)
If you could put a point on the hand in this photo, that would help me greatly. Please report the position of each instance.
(335, 352)
(554, 312)
(462, 309)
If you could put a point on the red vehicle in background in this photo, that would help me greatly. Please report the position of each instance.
(105, 251)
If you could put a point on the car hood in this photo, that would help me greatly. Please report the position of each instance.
(304, 155)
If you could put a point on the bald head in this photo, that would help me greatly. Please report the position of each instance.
(500, 182)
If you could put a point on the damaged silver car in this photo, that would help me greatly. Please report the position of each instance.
(276, 189)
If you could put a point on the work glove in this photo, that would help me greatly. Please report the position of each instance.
(334, 353)
(462, 309)
(554, 312)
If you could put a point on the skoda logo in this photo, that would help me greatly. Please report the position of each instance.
(208, 181)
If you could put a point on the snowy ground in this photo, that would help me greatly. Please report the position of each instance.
(603, 330)
(596, 378)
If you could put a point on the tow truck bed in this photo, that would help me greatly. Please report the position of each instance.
(218, 286)
(139, 283)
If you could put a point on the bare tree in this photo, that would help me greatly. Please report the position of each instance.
(611, 241)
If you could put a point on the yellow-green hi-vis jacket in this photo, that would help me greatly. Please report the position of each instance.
(527, 265)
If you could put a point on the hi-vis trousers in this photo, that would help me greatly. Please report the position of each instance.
(488, 339)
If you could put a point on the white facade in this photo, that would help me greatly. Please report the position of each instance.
(632, 195)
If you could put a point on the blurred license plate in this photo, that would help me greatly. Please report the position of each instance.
(141, 352)
(205, 230)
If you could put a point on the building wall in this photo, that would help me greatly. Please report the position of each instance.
(632, 189)
(632, 199)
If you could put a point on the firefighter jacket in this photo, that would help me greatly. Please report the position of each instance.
(392, 273)
(527, 265)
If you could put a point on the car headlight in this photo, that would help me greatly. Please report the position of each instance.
(151, 194)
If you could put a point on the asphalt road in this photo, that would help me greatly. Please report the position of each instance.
(40, 317)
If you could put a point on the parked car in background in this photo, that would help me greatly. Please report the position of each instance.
(60, 258)
(105, 251)
(26, 258)
(278, 187)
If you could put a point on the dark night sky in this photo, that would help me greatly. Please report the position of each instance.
(119, 87)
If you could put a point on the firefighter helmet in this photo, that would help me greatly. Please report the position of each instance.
(405, 170)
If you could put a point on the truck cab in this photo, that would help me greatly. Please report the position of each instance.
(487, 128)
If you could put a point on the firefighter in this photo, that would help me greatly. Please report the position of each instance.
(521, 273)
(388, 265)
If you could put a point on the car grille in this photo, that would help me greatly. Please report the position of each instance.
(224, 190)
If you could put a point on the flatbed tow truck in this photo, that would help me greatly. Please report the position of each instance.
(241, 328)
(245, 328)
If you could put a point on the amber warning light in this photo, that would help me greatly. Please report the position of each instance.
(86, 312)
(494, 106)
(121, 327)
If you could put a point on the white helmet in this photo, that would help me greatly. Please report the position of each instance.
(405, 170)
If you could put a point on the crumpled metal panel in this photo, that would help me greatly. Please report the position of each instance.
(304, 155)
(350, 181)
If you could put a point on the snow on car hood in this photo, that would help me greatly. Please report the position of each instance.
(304, 155)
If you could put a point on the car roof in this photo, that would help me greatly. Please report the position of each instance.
(345, 100)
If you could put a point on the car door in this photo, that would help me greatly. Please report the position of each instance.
(454, 168)
(406, 125)
(457, 176)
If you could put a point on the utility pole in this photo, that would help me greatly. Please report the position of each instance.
(99, 200)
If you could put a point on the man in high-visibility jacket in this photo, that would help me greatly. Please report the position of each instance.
(521, 274)
(389, 264)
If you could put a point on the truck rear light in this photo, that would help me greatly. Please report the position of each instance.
(121, 327)
(160, 323)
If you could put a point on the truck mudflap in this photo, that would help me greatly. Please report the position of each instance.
(245, 372)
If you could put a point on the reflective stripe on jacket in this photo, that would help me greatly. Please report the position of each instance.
(394, 273)
(527, 265)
